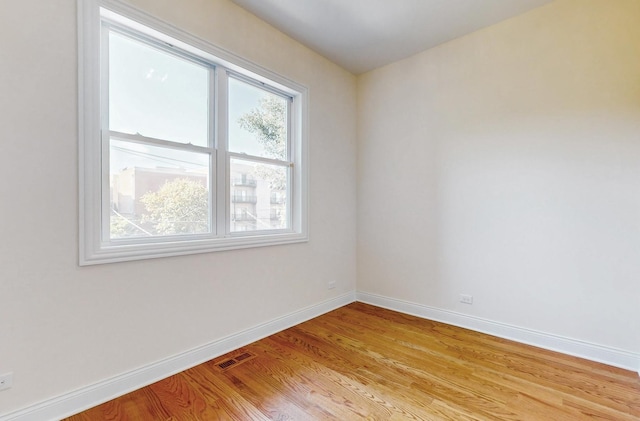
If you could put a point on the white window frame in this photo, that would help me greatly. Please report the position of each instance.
(94, 247)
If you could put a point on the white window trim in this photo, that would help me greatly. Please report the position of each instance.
(92, 250)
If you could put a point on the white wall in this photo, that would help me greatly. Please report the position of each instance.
(506, 165)
(62, 326)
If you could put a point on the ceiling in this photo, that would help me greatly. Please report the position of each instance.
(361, 35)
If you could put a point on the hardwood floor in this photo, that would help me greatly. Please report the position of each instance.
(364, 362)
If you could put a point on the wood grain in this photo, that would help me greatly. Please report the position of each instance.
(366, 363)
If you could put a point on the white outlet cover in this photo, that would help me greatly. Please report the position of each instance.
(466, 299)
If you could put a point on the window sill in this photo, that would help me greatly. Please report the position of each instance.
(129, 252)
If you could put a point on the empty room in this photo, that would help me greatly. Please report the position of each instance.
(320, 209)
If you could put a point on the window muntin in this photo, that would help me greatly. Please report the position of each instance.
(109, 145)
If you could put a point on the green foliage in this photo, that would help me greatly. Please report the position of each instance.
(180, 206)
(268, 123)
(121, 227)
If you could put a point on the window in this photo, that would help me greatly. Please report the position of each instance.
(183, 148)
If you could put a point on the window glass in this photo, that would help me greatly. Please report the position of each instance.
(156, 94)
(257, 121)
(157, 191)
(259, 196)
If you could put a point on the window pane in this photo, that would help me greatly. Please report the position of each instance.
(157, 191)
(257, 121)
(258, 196)
(156, 94)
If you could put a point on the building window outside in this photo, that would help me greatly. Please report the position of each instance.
(193, 153)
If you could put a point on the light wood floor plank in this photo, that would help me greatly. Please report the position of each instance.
(362, 362)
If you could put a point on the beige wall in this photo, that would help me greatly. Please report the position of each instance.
(502, 165)
(506, 165)
(63, 326)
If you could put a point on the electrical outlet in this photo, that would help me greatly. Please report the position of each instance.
(331, 285)
(466, 299)
(6, 381)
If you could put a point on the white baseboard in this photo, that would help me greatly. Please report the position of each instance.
(87, 397)
(90, 396)
(607, 355)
